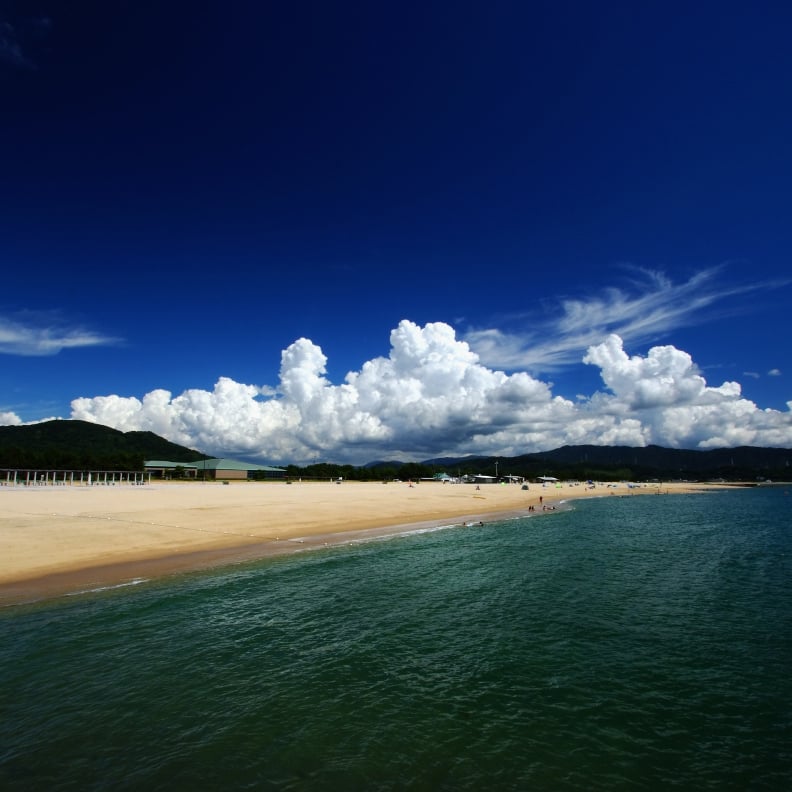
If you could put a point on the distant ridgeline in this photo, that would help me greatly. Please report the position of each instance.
(612, 463)
(79, 445)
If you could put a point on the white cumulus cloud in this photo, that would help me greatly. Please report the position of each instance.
(676, 408)
(432, 396)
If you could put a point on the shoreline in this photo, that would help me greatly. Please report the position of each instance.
(51, 545)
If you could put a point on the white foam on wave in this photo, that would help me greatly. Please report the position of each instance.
(133, 582)
(410, 532)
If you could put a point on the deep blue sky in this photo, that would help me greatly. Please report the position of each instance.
(188, 188)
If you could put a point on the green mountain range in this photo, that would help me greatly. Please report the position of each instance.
(746, 463)
(79, 445)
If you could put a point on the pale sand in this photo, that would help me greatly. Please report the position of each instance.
(56, 539)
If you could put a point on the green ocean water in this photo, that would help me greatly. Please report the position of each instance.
(628, 643)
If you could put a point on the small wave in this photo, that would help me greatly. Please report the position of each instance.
(133, 582)
(434, 528)
(398, 534)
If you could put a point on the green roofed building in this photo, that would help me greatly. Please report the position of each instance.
(215, 469)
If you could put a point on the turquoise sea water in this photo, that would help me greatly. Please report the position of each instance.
(629, 643)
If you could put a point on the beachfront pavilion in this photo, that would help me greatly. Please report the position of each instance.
(214, 469)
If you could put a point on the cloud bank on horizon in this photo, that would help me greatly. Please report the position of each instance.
(440, 395)
(432, 396)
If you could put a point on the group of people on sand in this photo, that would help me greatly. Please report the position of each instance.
(544, 506)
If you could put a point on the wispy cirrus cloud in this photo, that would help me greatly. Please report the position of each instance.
(15, 38)
(38, 335)
(10, 48)
(647, 307)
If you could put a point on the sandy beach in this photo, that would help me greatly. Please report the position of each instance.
(58, 539)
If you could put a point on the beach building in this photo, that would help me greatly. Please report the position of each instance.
(30, 477)
(213, 469)
(480, 478)
(443, 478)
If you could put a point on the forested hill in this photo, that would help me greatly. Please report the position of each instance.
(745, 463)
(657, 457)
(80, 445)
